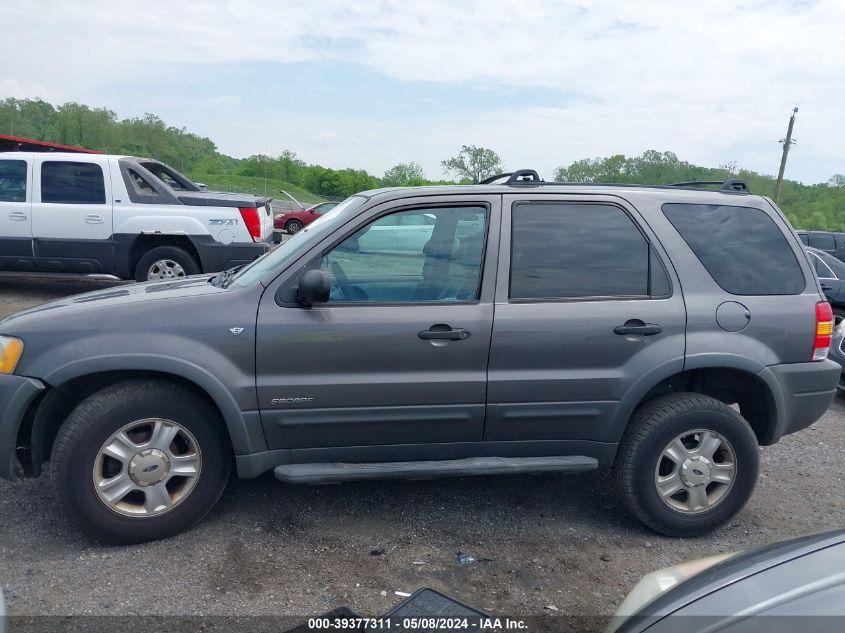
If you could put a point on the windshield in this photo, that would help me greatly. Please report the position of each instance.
(299, 242)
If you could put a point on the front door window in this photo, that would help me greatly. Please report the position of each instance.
(418, 255)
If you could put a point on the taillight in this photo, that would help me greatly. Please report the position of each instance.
(824, 330)
(252, 220)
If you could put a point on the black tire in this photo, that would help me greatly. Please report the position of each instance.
(96, 418)
(293, 226)
(653, 426)
(160, 253)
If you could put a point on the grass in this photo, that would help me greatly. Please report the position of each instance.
(256, 186)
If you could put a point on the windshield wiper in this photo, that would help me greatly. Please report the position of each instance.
(222, 279)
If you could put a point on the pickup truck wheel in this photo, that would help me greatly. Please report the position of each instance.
(165, 262)
(293, 226)
(139, 461)
(687, 464)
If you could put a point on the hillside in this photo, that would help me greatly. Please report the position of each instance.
(820, 206)
(255, 185)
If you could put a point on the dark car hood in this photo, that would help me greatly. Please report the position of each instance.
(109, 298)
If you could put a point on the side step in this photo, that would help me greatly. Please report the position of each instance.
(330, 472)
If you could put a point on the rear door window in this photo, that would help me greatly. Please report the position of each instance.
(12, 181)
(571, 251)
(66, 182)
(741, 247)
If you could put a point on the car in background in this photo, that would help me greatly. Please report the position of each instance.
(831, 274)
(778, 587)
(836, 353)
(294, 221)
(832, 242)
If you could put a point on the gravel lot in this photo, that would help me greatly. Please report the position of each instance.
(274, 549)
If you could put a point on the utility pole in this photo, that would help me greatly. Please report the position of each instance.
(787, 143)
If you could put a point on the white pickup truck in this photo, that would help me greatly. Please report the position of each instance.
(121, 216)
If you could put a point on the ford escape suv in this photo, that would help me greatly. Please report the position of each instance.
(515, 327)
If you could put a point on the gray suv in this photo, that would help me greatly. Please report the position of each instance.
(518, 327)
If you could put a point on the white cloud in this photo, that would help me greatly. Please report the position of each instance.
(224, 100)
(22, 90)
(695, 78)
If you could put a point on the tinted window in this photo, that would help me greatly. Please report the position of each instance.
(741, 247)
(822, 271)
(12, 181)
(72, 183)
(580, 250)
(824, 241)
(410, 256)
(834, 263)
(804, 239)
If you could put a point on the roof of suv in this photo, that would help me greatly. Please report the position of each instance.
(663, 191)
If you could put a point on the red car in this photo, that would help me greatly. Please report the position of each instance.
(293, 221)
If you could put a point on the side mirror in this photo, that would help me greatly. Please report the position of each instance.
(314, 287)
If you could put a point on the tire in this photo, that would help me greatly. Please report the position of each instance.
(646, 458)
(77, 456)
(172, 261)
(293, 226)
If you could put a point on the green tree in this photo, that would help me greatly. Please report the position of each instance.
(404, 175)
(473, 164)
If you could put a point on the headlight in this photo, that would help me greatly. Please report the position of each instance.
(657, 583)
(10, 352)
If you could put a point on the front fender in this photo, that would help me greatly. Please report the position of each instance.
(244, 428)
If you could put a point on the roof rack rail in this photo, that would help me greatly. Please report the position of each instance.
(733, 184)
(518, 177)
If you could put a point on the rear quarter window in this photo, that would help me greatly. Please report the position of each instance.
(742, 248)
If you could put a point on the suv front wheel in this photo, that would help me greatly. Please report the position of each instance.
(687, 464)
(139, 461)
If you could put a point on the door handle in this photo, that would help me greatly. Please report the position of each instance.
(637, 326)
(18, 216)
(442, 332)
(826, 288)
(93, 218)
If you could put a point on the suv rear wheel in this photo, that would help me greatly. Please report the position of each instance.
(687, 464)
(140, 460)
(165, 262)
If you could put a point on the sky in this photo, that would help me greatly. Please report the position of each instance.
(374, 83)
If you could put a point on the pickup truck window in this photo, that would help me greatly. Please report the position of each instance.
(12, 181)
(171, 178)
(66, 182)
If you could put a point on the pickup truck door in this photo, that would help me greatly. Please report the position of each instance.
(16, 214)
(72, 215)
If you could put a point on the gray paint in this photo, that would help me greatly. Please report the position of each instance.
(356, 383)
(786, 586)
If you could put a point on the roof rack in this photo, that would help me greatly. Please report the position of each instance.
(518, 177)
(724, 185)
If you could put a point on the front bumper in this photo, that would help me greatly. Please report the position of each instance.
(17, 393)
(806, 391)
